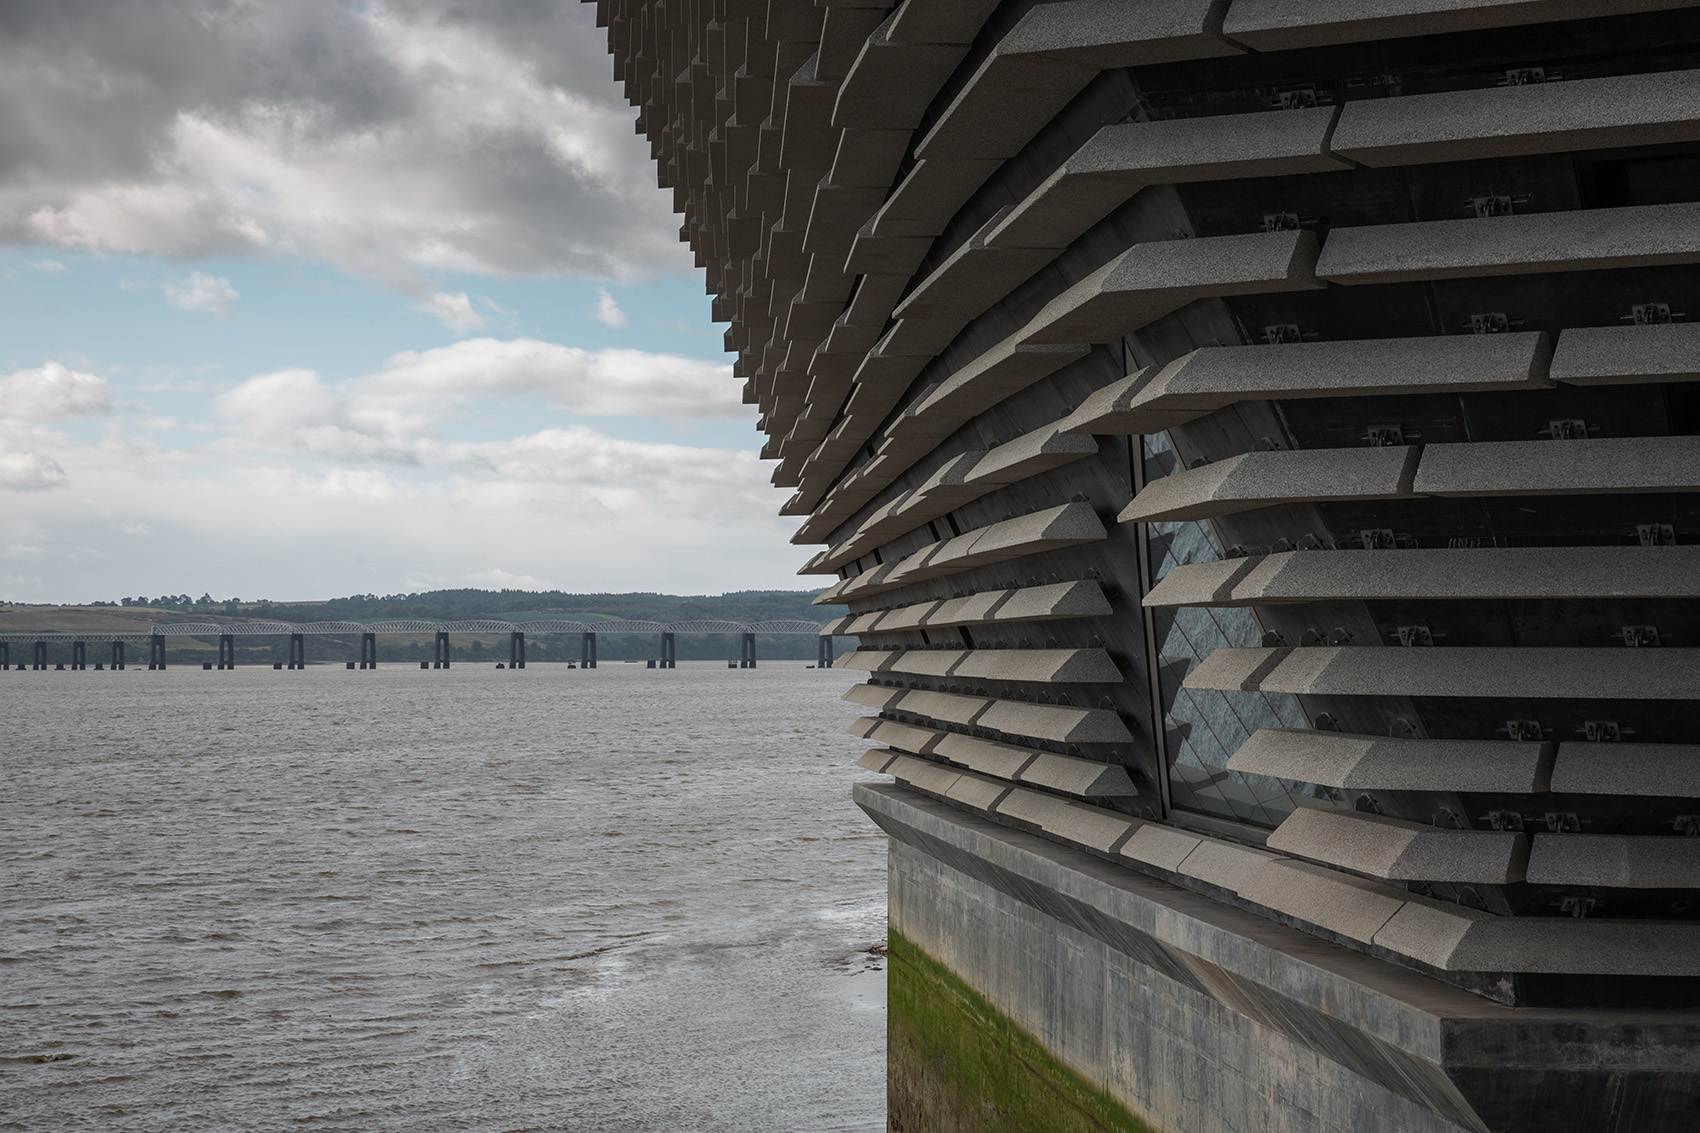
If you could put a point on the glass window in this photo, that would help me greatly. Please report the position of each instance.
(1203, 727)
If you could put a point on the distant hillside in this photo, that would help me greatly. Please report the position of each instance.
(523, 605)
(134, 614)
(450, 605)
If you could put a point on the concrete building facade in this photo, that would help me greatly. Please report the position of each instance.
(1259, 444)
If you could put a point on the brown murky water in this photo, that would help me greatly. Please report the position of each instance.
(403, 900)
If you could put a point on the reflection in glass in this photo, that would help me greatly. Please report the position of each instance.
(1204, 727)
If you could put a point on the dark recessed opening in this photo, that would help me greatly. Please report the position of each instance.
(1663, 180)
(1684, 407)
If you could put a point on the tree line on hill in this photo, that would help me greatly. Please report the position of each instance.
(505, 605)
(510, 605)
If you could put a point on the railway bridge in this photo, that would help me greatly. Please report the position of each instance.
(226, 633)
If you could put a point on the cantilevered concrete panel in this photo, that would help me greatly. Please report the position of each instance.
(1149, 281)
(1281, 25)
(1587, 240)
(1049, 666)
(1057, 601)
(1670, 771)
(1598, 466)
(1122, 159)
(873, 696)
(1069, 775)
(1396, 850)
(1623, 110)
(1264, 479)
(1575, 673)
(1378, 763)
(1088, 826)
(1052, 54)
(1209, 379)
(1628, 355)
(904, 737)
(1084, 778)
(1647, 862)
(877, 759)
(988, 757)
(1434, 574)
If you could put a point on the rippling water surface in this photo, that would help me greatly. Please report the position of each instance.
(624, 899)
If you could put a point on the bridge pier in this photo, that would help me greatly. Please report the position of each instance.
(666, 657)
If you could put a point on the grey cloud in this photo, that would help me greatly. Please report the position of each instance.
(30, 471)
(392, 138)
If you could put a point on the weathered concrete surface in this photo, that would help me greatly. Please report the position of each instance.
(1199, 1018)
(956, 1064)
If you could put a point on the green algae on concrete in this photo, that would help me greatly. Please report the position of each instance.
(956, 1064)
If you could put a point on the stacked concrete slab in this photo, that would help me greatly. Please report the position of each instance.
(1258, 442)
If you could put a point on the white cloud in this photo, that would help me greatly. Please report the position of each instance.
(30, 471)
(52, 267)
(498, 579)
(202, 293)
(598, 383)
(285, 400)
(607, 310)
(453, 310)
(570, 507)
(52, 391)
(392, 414)
(628, 471)
(361, 484)
(295, 412)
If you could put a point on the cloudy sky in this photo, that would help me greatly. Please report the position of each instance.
(304, 298)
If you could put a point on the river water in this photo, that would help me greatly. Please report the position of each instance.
(622, 899)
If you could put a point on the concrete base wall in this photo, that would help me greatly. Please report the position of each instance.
(1175, 1057)
(956, 1064)
(1203, 1019)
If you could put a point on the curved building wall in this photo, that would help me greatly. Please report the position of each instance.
(1258, 441)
